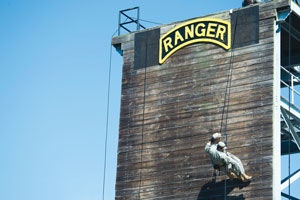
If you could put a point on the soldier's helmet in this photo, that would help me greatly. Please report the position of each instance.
(216, 135)
(222, 145)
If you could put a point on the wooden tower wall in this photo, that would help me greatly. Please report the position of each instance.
(169, 111)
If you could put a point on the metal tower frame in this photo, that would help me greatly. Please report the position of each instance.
(290, 77)
(129, 20)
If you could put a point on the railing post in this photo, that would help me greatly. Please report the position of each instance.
(138, 19)
(292, 89)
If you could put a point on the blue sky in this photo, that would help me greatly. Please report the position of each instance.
(54, 71)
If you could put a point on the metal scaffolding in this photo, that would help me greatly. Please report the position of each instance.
(289, 21)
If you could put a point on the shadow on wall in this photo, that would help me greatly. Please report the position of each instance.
(216, 190)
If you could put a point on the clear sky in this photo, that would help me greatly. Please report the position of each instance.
(54, 72)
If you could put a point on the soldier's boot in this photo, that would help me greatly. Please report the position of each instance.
(245, 177)
(248, 177)
(232, 175)
(229, 174)
(242, 178)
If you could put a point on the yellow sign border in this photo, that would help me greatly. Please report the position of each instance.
(198, 40)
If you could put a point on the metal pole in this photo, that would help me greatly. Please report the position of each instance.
(119, 24)
(292, 88)
(138, 18)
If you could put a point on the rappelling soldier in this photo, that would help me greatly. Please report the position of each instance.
(234, 167)
(225, 161)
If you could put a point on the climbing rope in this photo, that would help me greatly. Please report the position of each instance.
(151, 22)
(143, 121)
(228, 86)
(106, 131)
(227, 96)
(107, 119)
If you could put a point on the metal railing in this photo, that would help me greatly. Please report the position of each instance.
(293, 91)
(129, 20)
